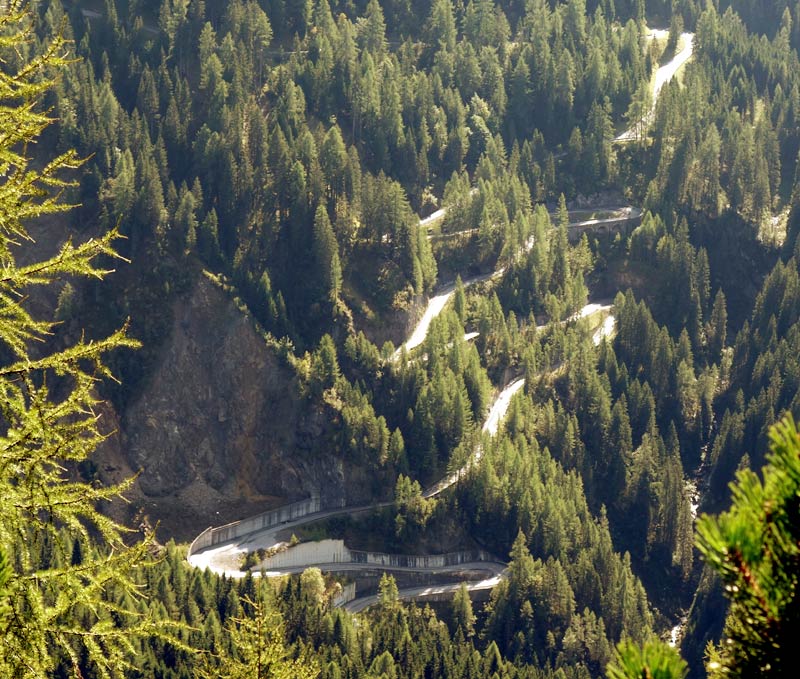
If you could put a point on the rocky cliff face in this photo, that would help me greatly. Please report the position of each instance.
(216, 408)
(220, 429)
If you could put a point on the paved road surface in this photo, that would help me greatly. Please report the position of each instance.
(225, 558)
(623, 214)
(663, 75)
(439, 214)
(494, 567)
(490, 426)
(415, 593)
(605, 330)
(435, 306)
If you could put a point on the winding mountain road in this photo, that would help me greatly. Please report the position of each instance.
(490, 426)
(664, 74)
(443, 293)
(225, 558)
(432, 591)
(435, 306)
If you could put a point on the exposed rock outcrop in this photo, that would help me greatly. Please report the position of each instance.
(220, 426)
(217, 408)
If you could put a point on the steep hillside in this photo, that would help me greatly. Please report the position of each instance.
(220, 428)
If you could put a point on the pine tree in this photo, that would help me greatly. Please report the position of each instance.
(5, 576)
(50, 423)
(460, 300)
(440, 29)
(463, 617)
(387, 592)
(372, 29)
(755, 548)
(654, 660)
(717, 327)
(326, 254)
(258, 650)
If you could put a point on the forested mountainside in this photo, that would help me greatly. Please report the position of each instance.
(510, 278)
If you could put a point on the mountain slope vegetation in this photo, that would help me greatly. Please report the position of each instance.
(268, 164)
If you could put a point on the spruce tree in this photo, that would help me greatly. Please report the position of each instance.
(754, 549)
(463, 617)
(717, 327)
(326, 255)
(654, 660)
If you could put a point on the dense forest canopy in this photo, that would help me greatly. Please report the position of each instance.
(287, 154)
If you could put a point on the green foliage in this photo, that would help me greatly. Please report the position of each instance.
(258, 648)
(722, 159)
(80, 611)
(288, 145)
(654, 660)
(520, 486)
(413, 510)
(463, 617)
(326, 255)
(5, 575)
(754, 549)
(387, 592)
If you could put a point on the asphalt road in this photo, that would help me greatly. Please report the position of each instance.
(663, 75)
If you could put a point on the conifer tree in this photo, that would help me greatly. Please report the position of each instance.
(654, 659)
(387, 592)
(258, 649)
(463, 617)
(460, 300)
(326, 254)
(440, 29)
(717, 327)
(49, 401)
(754, 548)
(373, 29)
(5, 576)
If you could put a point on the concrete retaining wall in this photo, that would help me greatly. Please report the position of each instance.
(347, 594)
(604, 228)
(201, 541)
(335, 551)
(308, 554)
(268, 519)
(274, 517)
(419, 562)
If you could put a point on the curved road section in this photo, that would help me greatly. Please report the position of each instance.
(491, 426)
(225, 558)
(436, 305)
(438, 302)
(429, 592)
(663, 75)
